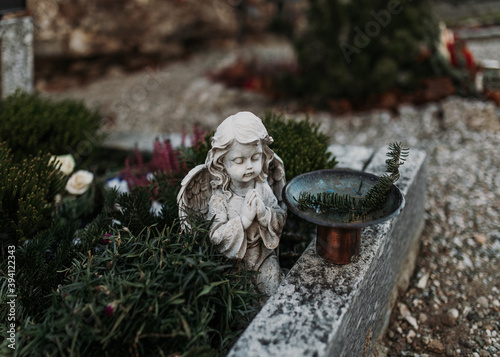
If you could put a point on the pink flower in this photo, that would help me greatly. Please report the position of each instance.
(110, 309)
(106, 239)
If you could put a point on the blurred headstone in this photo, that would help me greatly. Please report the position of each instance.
(16, 55)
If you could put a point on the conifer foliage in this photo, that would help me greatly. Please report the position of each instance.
(151, 291)
(129, 280)
(357, 49)
(373, 199)
(30, 123)
(300, 144)
(27, 191)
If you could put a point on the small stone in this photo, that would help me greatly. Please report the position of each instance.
(412, 321)
(448, 319)
(483, 301)
(460, 265)
(449, 351)
(480, 238)
(467, 261)
(473, 316)
(484, 353)
(405, 312)
(443, 297)
(422, 282)
(475, 354)
(411, 336)
(422, 318)
(436, 346)
(454, 313)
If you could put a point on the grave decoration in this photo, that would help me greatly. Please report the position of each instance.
(341, 202)
(239, 188)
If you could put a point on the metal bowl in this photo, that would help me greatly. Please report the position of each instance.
(338, 235)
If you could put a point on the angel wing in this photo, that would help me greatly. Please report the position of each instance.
(195, 193)
(276, 179)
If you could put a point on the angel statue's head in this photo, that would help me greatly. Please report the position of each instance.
(240, 151)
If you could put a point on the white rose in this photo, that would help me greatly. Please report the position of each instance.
(67, 163)
(79, 182)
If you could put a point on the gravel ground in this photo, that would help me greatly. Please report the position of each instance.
(166, 99)
(452, 306)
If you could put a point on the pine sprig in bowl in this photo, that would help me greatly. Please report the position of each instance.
(357, 204)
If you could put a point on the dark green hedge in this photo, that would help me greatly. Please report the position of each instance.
(30, 123)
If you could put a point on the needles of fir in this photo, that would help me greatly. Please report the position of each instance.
(374, 198)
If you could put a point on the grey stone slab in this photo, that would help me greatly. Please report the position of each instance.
(478, 32)
(16, 55)
(351, 156)
(323, 309)
(143, 141)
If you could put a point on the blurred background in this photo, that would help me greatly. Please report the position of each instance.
(78, 41)
(368, 72)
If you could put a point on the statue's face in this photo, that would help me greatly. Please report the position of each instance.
(243, 163)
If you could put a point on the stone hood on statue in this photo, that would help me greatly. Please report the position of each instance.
(240, 187)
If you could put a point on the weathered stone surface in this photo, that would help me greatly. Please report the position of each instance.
(323, 309)
(350, 156)
(16, 55)
(142, 141)
(87, 28)
(166, 28)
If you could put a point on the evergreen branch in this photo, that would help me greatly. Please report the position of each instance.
(327, 201)
(374, 198)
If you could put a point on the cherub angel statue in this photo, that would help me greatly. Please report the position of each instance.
(239, 187)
